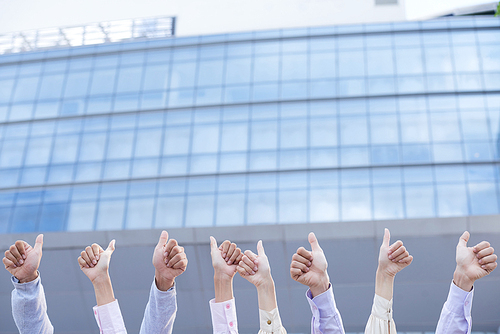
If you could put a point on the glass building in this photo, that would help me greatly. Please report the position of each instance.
(342, 123)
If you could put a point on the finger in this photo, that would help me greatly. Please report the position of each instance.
(15, 253)
(175, 259)
(387, 238)
(163, 239)
(21, 247)
(213, 243)
(301, 259)
(225, 248)
(85, 257)
(234, 256)
(313, 241)
(238, 259)
(248, 269)
(300, 266)
(82, 263)
(182, 264)
(249, 263)
(11, 258)
(90, 254)
(402, 256)
(485, 252)
(488, 259)
(38, 243)
(464, 239)
(96, 250)
(111, 246)
(251, 255)
(8, 263)
(305, 253)
(394, 247)
(260, 249)
(295, 273)
(480, 246)
(169, 247)
(230, 251)
(241, 271)
(407, 260)
(175, 251)
(397, 252)
(489, 267)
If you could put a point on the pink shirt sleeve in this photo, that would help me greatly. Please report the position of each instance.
(109, 318)
(224, 319)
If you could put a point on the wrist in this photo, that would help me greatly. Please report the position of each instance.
(462, 281)
(101, 280)
(321, 286)
(28, 278)
(163, 283)
(266, 284)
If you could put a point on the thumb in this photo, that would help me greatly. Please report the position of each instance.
(163, 239)
(260, 249)
(464, 239)
(313, 241)
(111, 246)
(39, 243)
(213, 243)
(387, 238)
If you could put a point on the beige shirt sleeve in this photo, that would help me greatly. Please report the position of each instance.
(270, 322)
(380, 321)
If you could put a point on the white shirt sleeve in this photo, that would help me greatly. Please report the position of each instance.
(160, 312)
(456, 313)
(380, 321)
(270, 322)
(326, 317)
(224, 319)
(109, 318)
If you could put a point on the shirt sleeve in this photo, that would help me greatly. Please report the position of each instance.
(456, 313)
(109, 318)
(160, 311)
(29, 307)
(224, 319)
(326, 317)
(270, 322)
(380, 321)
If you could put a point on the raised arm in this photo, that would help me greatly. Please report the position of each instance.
(170, 261)
(223, 309)
(29, 307)
(473, 263)
(255, 269)
(94, 262)
(310, 268)
(392, 259)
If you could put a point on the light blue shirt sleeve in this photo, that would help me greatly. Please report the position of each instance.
(326, 317)
(456, 313)
(160, 311)
(29, 307)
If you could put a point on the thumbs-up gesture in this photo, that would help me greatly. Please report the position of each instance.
(473, 263)
(310, 267)
(169, 260)
(22, 260)
(255, 267)
(94, 261)
(392, 258)
(225, 258)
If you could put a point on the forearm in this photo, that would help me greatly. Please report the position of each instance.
(103, 290)
(267, 295)
(384, 285)
(223, 286)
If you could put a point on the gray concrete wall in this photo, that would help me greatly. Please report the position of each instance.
(351, 249)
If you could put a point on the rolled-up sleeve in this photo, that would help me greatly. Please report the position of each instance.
(224, 319)
(456, 313)
(109, 318)
(270, 322)
(326, 317)
(380, 321)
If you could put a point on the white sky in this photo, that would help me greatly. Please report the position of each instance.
(22, 15)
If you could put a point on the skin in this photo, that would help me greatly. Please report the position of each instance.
(473, 263)
(310, 267)
(224, 260)
(255, 269)
(169, 260)
(22, 260)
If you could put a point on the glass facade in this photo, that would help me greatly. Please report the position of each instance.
(367, 122)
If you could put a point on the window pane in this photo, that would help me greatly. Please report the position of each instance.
(445, 127)
(323, 132)
(420, 201)
(177, 140)
(200, 210)
(230, 209)
(129, 79)
(156, 77)
(26, 89)
(92, 146)
(77, 84)
(466, 58)
(388, 203)
(409, 61)
(120, 144)
(12, 153)
(351, 64)
(323, 65)
(294, 67)
(140, 213)
(51, 87)
(238, 70)
(53, 217)
(264, 135)
(148, 143)
(110, 215)
(452, 200)
(474, 125)
(483, 198)
(414, 128)
(293, 133)
(103, 82)
(205, 138)
(183, 75)
(210, 73)
(266, 68)
(356, 204)
(6, 90)
(353, 131)
(293, 206)
(324, 205)
(38, 152)
(234, 137)
(380, 62)
(438, 60)
(65, 148)
(261, 208)
(24, 219)
(169, 212)
(384, 130)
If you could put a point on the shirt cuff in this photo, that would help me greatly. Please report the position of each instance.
(459, 301)
(270, 322)
(163, 294)
(382, 308)
(224, 316)
(109, 318)
(323, 305)
(28, 286)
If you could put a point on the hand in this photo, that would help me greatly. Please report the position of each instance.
(473, 263)
(310, 267)
(225, 258)
(22, 260)
(169, 261)
(94, 261)
(394, 258)
(255, 268)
